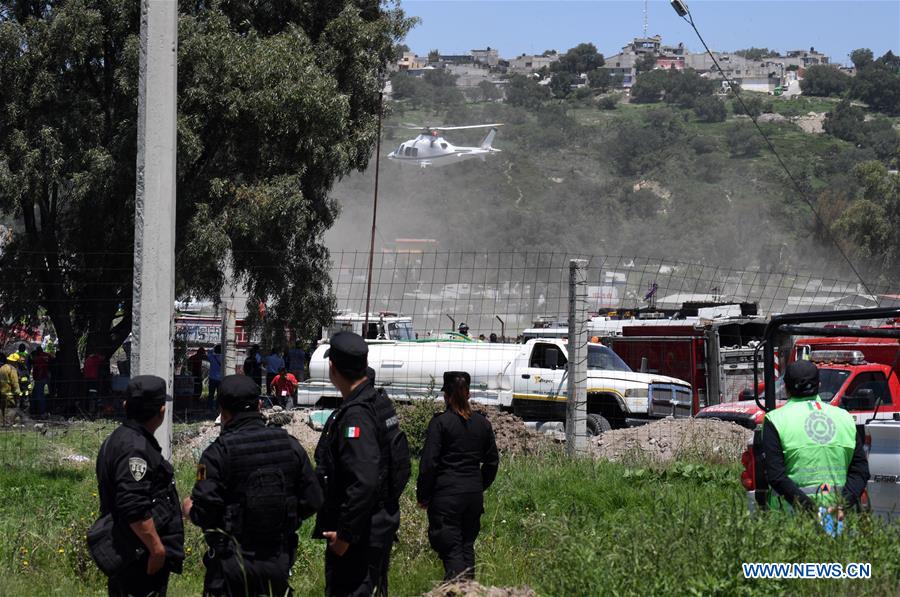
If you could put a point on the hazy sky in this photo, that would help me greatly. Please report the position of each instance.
(532, 26)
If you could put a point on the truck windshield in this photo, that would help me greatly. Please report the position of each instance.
(602, 357)
(401, 330)
(830, 381)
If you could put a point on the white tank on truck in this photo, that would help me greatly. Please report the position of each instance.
(529, 379)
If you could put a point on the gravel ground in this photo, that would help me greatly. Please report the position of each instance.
(473, 589)
(669, 439)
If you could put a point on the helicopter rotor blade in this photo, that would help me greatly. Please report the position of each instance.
(468, 126)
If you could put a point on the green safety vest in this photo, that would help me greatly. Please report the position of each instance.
(818, 441)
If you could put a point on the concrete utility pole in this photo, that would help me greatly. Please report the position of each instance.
(576, 403)
(154, 205)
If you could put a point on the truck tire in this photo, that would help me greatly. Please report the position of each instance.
(597, 424)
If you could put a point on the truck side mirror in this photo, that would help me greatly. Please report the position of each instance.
(551, 358)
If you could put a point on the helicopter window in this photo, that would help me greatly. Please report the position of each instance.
(407, 151)
(415, 151)
(400, 150)
(443, 146)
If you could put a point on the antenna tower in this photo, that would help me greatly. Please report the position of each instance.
(645, 18)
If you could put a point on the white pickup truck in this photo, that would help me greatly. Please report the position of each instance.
(884, 467)
(529, 379)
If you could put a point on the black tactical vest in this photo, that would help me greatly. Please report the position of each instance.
(261, 493)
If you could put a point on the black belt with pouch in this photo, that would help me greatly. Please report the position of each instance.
(111, 549)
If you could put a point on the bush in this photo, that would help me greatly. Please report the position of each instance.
(608, 102)
(649, 87)
(525, 92)
(710, 109)
(703, 144)
(753, 104)
(743, 140)
(710, 168)
(845, 122)
(582, 93)
(414, 420)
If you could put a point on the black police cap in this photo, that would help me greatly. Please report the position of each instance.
(238, 393)
(149, 390)
(450, 378)
(348, 351)
(801, 379)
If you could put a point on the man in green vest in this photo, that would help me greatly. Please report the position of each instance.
(814, 456)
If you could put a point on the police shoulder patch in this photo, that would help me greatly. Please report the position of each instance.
(138, 468)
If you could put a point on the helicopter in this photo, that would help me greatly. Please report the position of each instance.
(431, 149)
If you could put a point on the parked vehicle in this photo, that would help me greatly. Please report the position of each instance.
(870, 391)
(847, 379)
(883, 488)
(529, 379)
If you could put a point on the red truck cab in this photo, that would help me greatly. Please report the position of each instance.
(846, 379)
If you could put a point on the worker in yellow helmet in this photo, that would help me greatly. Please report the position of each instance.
(9, 385)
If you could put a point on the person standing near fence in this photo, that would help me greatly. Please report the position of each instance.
(284, 388)
(40, 373)
(253, 365)
(459, 463)
(255, 486)
(215, 376)
(296, 361)
(9, 385)
(137, 492)
(361, 516)
(274, 363)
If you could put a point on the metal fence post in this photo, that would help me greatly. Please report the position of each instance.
(576, 403)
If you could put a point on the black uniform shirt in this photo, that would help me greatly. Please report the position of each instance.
(459, 456)
(211, 489)
(135, 483)
(347, 460)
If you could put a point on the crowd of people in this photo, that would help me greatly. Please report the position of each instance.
(255, 485)
(282, 368)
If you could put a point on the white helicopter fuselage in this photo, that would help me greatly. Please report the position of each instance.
(434, 150)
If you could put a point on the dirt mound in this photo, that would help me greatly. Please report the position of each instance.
(670, 439)
(190, 445)
(813, 123)
(512, 435)
(473, 589)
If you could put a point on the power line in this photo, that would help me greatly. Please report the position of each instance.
(685, 13)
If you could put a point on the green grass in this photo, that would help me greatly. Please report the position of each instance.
(562, 527)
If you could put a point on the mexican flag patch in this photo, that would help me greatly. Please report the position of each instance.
(352, 432)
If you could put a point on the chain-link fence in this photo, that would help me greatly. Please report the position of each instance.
(437, 289)
(430, 312)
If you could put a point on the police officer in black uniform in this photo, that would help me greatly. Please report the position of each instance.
(255, 485)
(459, 462)
(359, 525)
(136, 486)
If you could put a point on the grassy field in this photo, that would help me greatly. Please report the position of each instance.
(561, 527)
